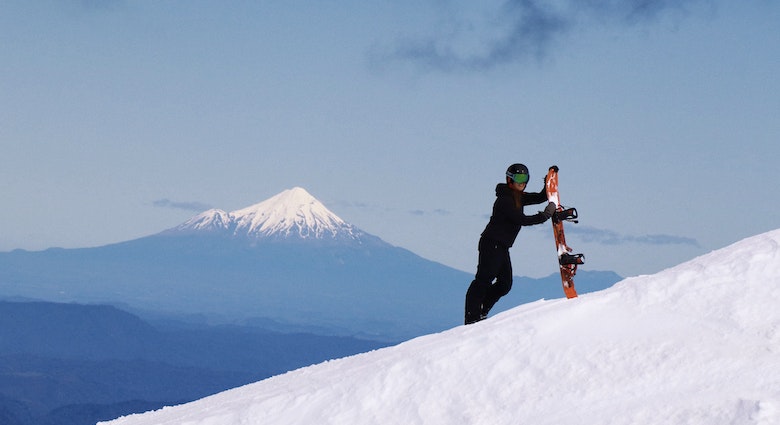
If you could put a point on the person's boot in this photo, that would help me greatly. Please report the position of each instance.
(472, 318)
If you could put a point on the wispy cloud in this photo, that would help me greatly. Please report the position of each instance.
(386, 209)
(517, 30)
(179, 205)
(436, 212)
(609, 237)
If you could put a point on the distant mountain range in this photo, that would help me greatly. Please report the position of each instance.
(286, 263)
(70, 364)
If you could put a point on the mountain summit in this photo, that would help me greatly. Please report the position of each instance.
(290, 215)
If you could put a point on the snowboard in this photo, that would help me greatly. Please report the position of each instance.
(567, 261)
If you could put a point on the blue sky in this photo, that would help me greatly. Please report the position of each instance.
(119, 119)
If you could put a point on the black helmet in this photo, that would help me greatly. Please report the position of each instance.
(518, 173)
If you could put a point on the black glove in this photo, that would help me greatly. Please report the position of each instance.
(549, 210)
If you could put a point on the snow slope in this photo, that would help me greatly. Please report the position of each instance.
(695, 344)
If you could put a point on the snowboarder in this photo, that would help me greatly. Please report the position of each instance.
(499, 235)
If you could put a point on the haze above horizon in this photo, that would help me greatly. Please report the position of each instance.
(121, 119)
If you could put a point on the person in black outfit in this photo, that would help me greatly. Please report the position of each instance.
(499, 235)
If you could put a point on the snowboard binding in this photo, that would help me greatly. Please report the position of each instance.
(566, 214)
(576, 259)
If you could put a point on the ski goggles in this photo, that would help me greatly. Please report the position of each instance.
(518, 178)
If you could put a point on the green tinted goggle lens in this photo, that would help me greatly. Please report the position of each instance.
(520, 178)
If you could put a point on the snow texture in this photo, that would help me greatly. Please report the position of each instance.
(695, 344)
(292, 213)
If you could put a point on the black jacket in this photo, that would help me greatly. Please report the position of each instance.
(507, 219)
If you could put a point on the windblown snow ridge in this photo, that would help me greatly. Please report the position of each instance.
(696, 344)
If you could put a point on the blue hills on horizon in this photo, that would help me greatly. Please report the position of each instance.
(377, 292)
(74, 364)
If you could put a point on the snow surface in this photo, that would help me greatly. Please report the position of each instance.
(293, 212)
(695, 344)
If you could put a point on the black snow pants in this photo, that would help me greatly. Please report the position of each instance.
(483, 293)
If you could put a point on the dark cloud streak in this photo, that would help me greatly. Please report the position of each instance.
(609, 237)
(534, 26)
(437, 212)
(177, 205)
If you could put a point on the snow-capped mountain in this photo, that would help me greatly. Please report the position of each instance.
(696, 344)
(290, 215)
(286, 261)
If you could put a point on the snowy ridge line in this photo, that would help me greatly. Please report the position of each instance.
(293, 213)
(696, 344)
